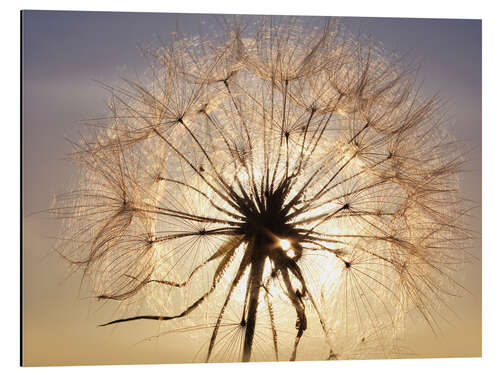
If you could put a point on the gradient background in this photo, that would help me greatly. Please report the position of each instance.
(64, 51)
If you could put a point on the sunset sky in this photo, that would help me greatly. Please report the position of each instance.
(66, 52)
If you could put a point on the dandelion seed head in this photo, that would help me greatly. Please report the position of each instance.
(283, 173)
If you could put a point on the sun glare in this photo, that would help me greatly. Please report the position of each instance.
(285, 245)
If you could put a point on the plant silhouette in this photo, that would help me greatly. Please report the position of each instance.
(288, 181)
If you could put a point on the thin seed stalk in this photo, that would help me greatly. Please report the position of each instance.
(253, 292)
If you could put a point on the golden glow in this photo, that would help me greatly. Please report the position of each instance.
(285, 245)
(290, 253)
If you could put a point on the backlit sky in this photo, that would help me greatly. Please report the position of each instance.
(65, 51)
